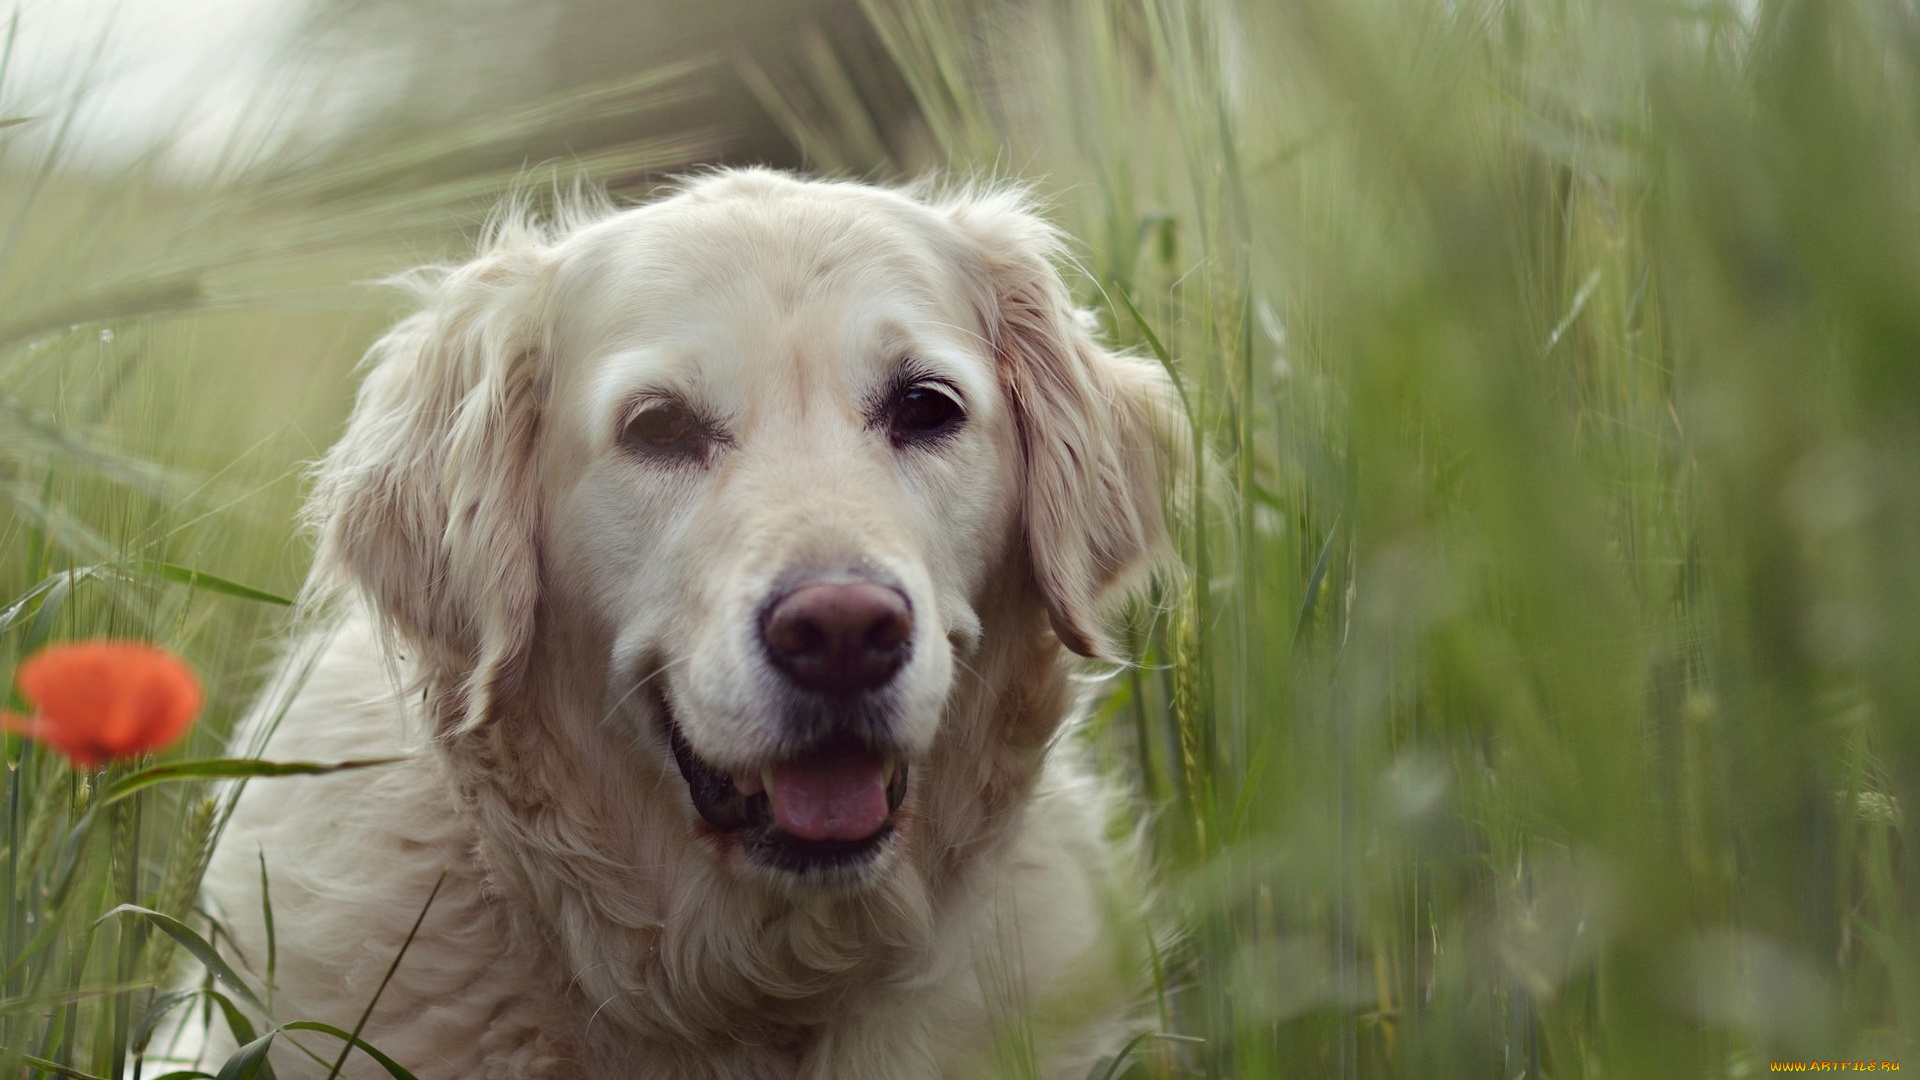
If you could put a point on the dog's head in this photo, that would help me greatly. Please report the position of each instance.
(763, 451)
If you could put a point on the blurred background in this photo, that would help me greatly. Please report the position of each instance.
(1540, 698)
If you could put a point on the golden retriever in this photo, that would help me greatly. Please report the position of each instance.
(717, 562)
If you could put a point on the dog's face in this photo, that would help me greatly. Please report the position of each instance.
(765, 445)
(781, 468)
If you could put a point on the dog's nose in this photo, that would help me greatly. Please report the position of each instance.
(839, 638)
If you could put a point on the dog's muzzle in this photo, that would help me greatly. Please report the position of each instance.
(830, 800)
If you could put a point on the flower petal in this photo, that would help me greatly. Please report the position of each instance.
(102, 699)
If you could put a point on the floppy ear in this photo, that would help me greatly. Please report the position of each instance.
(427, 501)
(1094, 427)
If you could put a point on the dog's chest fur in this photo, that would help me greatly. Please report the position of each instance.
(673, 961)
(590, 947)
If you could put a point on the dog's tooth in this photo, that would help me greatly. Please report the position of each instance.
(766, 782)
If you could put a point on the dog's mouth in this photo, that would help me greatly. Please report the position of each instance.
(828, 807)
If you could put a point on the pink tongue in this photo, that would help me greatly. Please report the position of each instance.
(830, 796)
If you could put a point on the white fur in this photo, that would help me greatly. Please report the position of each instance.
(515, 594)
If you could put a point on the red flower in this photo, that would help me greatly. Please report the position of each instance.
(97, 700)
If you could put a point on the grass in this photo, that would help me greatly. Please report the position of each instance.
(1543, 698)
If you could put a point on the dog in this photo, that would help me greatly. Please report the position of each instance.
(717, 566)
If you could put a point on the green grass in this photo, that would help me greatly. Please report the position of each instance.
(1545, 696)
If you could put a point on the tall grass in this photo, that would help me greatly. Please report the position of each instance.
(1542, 698)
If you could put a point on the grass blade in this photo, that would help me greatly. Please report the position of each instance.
(360, 1025)
(394, 1068)
(201, 949)
(248, 1061)
(1314, 582)
(200, 579)
(229, 769)
(57, 1069)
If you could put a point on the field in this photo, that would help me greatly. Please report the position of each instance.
(1541, 696)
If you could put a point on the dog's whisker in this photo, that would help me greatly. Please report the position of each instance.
(609, 1000)
(618, 703)
(967, 668)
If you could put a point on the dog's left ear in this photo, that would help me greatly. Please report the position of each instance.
(1096, 428)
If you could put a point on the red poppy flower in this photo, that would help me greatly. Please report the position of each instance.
(97, 700)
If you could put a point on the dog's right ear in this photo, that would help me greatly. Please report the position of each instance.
(427, 502)
(1098, 430)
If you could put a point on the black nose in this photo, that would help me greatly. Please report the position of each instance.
(839, 638)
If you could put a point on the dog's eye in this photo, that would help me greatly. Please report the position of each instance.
(923, 412)
(663, 426)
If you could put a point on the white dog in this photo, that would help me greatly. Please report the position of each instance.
(715, 559)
